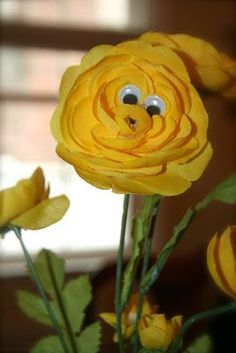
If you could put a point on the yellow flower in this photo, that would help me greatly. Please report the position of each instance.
(129, 119)
(27, 205)
(128, 316)
(221, 260)
(155, 331)
(207, 67)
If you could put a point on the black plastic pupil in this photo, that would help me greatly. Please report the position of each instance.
(153, 110)
(130, 99)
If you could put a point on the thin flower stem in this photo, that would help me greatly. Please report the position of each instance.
(208, 314)
(58, 296)
(119, 269)
(39, 285)
(146, 260)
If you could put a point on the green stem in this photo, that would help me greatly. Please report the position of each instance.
(146, 260)
(161, 260)
(60, 303)
(39, 285)
(119, 269)
(208, 314)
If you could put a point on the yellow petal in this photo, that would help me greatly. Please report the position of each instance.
(94, 55)
(68, 80)
(193, 169)
(44, 214)
(213, 264)
(109, 318)
(168, 183)
(214, 78)
(159, 55)
(21, 197)
(207, 67)
(153, 335)
(227, 258)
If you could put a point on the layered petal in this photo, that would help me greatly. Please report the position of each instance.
(45, 213)
(156, 331)
(221, 260)
(155, 144)
(208, 68)
(129, 316)
(27, 204)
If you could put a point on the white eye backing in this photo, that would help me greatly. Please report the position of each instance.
(154, 105)
(130, 94)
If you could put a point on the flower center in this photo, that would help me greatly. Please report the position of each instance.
(132, 123)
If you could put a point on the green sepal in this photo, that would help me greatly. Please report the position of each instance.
(202, 344)
(140, 229)
(50, 344)
(77, 294)
(3, 231)
(90, 338)
(51, 271)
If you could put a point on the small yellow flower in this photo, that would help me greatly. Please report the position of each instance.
(221, 260)
(155, 331)
(128, 316)
(27, 204)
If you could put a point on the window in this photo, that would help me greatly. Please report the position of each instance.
(31, 69)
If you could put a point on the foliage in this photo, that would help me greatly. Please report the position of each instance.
(68, 301)
(202, 344)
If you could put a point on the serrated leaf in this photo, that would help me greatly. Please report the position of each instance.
(50, 344)
(202, 344)
(50, 268)
(33, 307)
(77, 294)
(224, 192)
(140, 228)
(89, 339)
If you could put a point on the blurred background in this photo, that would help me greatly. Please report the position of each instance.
(39, 40)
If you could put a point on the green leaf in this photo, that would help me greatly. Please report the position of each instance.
(50, 344)
(33, 306)
(50, 268)
(77, 294)
(140, 229)
(89, 339)
(202, 344)
(224, 192)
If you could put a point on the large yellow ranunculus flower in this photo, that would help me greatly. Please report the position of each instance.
(156, 331)
(27, 204)
(221, 260)
(129, 119)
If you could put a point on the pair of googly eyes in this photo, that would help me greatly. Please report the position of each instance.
(131, 94)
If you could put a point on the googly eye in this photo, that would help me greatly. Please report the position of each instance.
(154, 105)
(130, 94)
